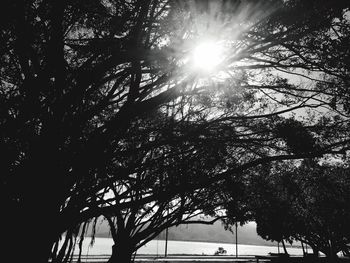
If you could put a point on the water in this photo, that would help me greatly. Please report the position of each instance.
(103, 246)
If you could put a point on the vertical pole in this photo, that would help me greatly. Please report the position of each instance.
(236, 240)
(166, 243)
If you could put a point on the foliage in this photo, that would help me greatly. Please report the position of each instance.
(308, 203)
(90, 90)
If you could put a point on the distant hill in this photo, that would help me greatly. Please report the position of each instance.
(207, 233)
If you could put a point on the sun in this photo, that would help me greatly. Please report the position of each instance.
(207, 56)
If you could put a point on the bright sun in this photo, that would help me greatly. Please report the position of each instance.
(207, 55)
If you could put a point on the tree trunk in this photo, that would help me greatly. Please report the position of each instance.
(332, 257)
(303, 248)
(25, 241)
(315, 250)
(30, 221)
(331, 254)
(284, 247)
(121, 253)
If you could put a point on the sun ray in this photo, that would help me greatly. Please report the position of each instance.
(207, 56)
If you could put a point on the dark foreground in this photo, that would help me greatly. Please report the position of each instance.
(214, 259)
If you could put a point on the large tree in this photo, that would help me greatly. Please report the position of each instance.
(307, 202)
(159, 178)
(77, 76)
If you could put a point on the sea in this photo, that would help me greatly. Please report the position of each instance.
(103, 246)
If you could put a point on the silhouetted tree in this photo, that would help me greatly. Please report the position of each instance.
(273, 195)
(77, 75)
(324, 208)
(164, 167)
(168, 167)
(308, 203)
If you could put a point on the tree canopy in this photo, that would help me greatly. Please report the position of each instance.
(307, 203)
(81, 82)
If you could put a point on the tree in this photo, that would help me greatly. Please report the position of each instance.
(161, 166)
(308, 203)
(273, 194)
(77, 75)
(324, 208)
(170, 160)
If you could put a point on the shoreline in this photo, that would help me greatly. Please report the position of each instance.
(232, 243)
(218, 242)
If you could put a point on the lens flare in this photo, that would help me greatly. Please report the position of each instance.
(207, 55)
